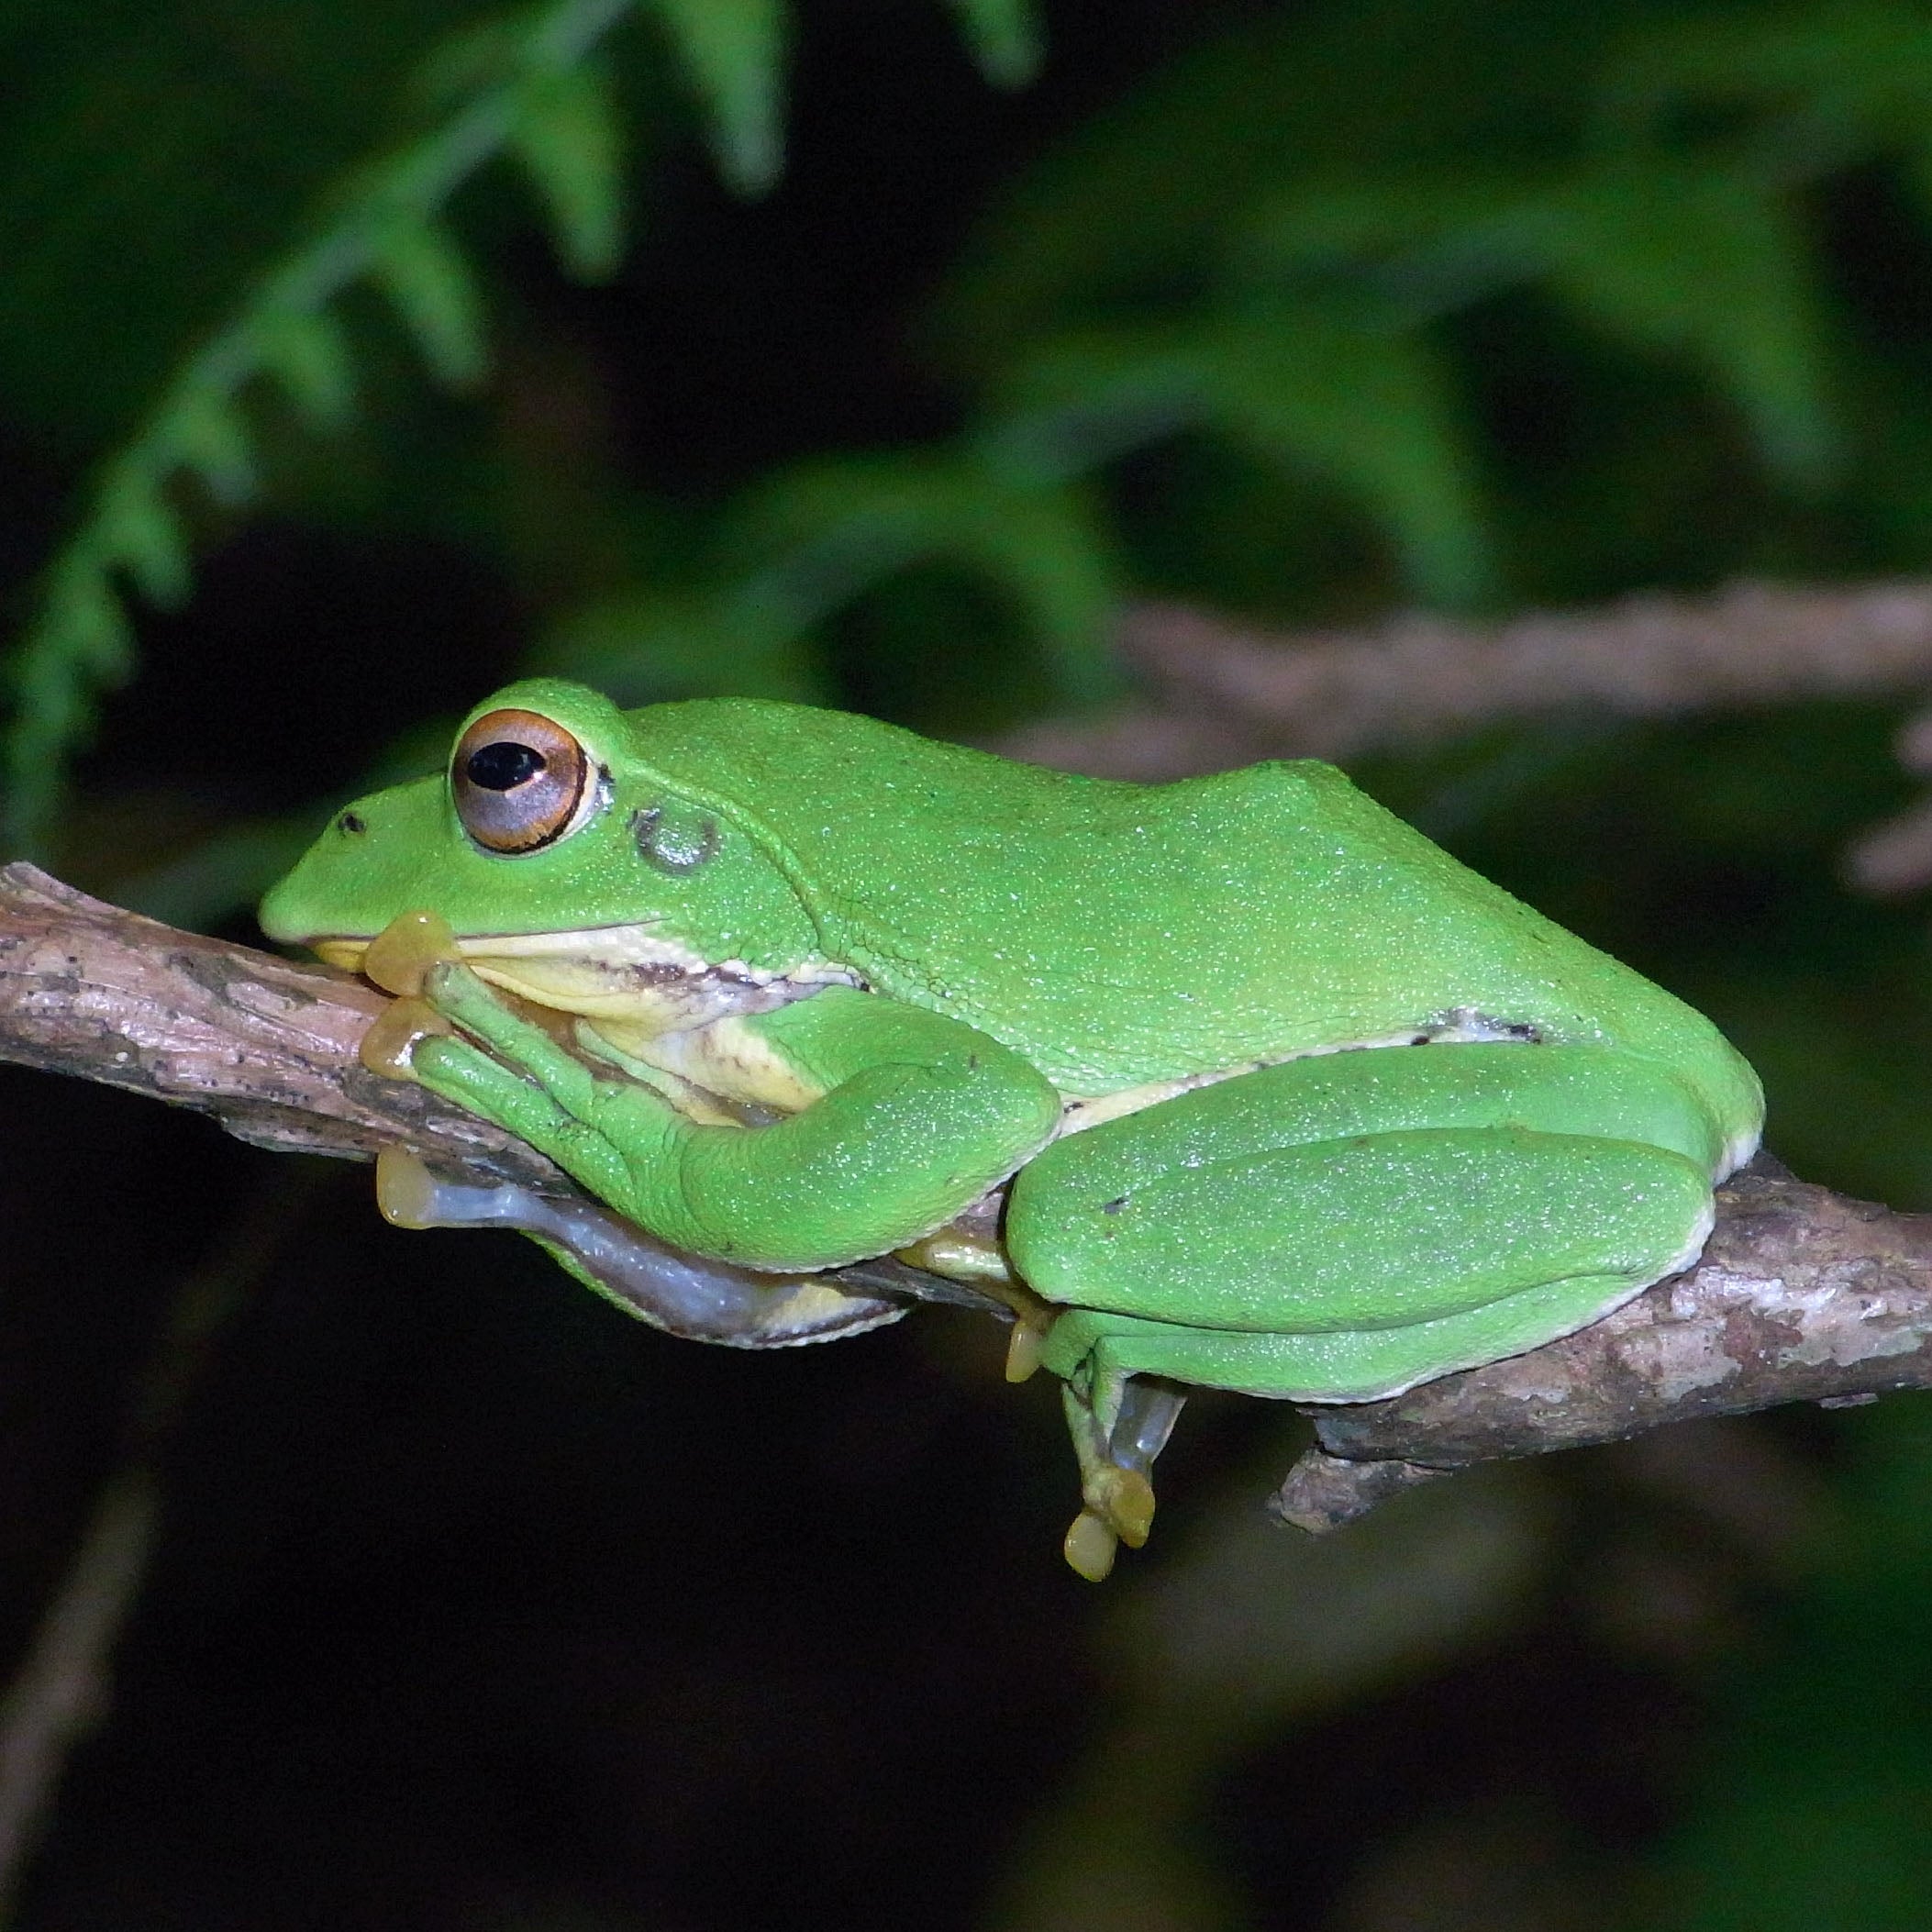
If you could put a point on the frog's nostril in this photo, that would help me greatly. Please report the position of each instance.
(353, 823)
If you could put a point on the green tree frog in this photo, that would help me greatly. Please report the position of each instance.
(1290, 1100)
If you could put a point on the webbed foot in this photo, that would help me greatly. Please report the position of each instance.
(399, 956)
(389, 1047)
(686, 1294)
(1114, 1461)
(397, 959)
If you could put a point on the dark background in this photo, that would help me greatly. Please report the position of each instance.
(479, 1607)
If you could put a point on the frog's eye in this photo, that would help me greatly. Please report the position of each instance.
(520, 781)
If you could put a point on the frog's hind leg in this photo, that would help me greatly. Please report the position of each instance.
(1355, 1284)
(1126, 1366)
(1096, 1348)
(1339, 1231)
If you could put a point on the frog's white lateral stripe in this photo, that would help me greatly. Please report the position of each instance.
(609, 947)
(635, 977)
(1088, 1111)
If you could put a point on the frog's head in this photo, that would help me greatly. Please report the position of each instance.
(571, 869)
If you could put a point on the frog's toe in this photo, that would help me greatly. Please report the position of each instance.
(388, 1046)
(1120, 1423)
(398, 957)
(1023, 1349)
(1090, 1547)
(1123, 1499)
(407, 1193)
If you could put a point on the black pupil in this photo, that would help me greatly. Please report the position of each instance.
(505, 765)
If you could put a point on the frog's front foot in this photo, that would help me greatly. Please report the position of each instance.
(691, 1295)
(1118, 1428)
(398, 961)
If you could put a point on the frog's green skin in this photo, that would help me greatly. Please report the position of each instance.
(842, 980)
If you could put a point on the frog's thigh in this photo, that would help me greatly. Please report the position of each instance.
(1332, 1365)
(1366, 1261)
(1381, 1231)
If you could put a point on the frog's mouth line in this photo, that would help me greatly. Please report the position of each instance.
(619, 972)
(608, 948)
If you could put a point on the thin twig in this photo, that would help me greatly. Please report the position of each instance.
(61, 1692)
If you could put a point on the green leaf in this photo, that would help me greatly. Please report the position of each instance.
(1818, 78)
(1368, 411)
(307, 353)
(206, 433)
(835, 529)
(140, 531)
(1132, 213)
(92, 627)
(1005, 39)
(569, 138)
(1400, 245)
(1050, 551)
(424, 274)
(1083, 399)
(83, 643)
(732, 52)
(1705, 265)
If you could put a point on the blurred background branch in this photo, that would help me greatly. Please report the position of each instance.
(1226, 694)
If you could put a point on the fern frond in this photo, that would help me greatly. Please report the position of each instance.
(833, 529)
(141, 534)
(1005, 36)
(1699, 263)
(1366, 410)
(1371, 412)
(1819, 81)
(571, 144)
(382, 228)
(733, 52)
(526, 85)
(424, 274)
(307, 353)
(207, 436)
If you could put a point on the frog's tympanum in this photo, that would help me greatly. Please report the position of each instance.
(1289, 1101)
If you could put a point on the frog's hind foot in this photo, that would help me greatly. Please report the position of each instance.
(1114, 1464)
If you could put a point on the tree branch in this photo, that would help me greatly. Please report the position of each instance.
(1225, 694)
(1801, 1295)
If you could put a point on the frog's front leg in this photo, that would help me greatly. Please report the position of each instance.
(916, 1115)
(695, 1296)
(1341, 1228)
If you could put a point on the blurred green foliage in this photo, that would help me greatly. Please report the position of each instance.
(1301, 310)
(1813, 1811)
(1383, 302)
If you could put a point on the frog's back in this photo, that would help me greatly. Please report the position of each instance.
(1123, 934)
